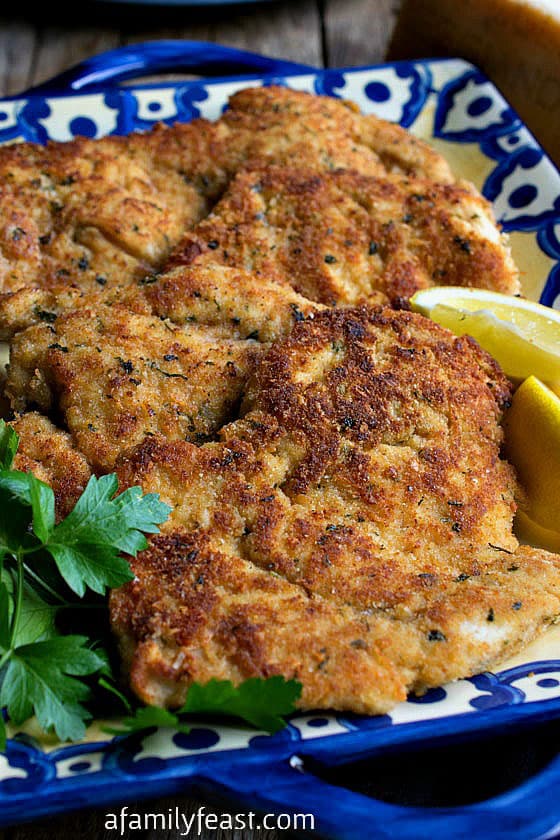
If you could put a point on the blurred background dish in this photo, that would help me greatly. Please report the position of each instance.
(515, 42)
(190, 2)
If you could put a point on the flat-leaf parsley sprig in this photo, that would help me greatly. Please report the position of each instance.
(48, 569)
(261, 702)
(41, 563)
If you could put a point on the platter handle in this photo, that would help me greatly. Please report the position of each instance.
(152, 57)
(530, 811)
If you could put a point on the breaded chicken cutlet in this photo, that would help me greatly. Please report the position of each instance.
(91, 212)
(344, 238)
(336, 238)
(90, 215)
(116, 377)
(177, 368)
(353, 530)
(291, 128)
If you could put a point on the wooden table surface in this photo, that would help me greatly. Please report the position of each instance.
(329, 33)
(318, 32)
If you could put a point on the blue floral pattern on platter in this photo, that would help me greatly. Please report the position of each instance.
(264, 770)
(36, 782)
(27, 767)
(468, 110)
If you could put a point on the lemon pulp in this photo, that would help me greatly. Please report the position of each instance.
(523, 336)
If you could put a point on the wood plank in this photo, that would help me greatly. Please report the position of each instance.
(357, 31)
(59, 47)
(31, 55)
(286, 30)
(17, 48)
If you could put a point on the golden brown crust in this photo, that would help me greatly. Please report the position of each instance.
(91, 212)
(170, 357)
(194, 613)
(282, 126)
(116, 376)
(89, 216)
(230, 301)
(35, 305)
(50, 455)
(344, 237)
(365, 474)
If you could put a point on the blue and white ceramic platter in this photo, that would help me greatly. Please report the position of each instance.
(450, 103)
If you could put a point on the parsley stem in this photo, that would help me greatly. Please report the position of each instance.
(62, 603)
(18, 599)
(32, 549)
(45, 586)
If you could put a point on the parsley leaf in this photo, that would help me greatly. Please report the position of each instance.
(144, 718)
(14, 522)
(9, 441)
(42, 505)
(42, 565)
(30, 491)
(40, 678)
(6, 607)
(37, 617)
(86, 545)
(260, 702)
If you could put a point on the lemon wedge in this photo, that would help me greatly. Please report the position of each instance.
(532, 444)
(523, 336)
(530, 533)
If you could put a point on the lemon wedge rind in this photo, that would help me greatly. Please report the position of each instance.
(529, 533)
(532, 444)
